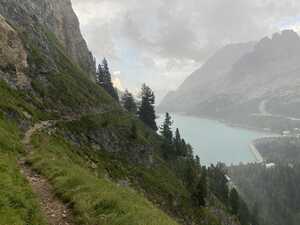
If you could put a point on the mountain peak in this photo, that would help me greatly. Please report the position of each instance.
(286, 35)
(286, 40)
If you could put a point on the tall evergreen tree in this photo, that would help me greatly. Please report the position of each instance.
(200, 192)
(128, 102)
(234, 201)
(100, 76)
(255, 214)
(166, 129)
(146, 110)
(169, 152)
(244, 213)
(180, 145)
(218, 182)
(178, 142)
(104, 79)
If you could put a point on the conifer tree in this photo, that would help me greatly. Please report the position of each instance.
(255, 214)
(218, 182)
(190, 176)
(100, 76)
(178, 143)
(146, 110)
(169, 151)
(104, 79)
(134, 132)
(128, 102)
(200, 192)
(234, 201)
(166, 129)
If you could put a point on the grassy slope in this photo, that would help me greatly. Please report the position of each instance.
(95, 199)
(18, 204)
(158, 182)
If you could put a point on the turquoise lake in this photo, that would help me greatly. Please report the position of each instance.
(214, 141)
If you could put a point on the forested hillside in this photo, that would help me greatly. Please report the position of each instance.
(272, 191)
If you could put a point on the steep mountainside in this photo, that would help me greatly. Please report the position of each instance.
(58, 17)
(260, 82)
(69, 154)
(204, 80)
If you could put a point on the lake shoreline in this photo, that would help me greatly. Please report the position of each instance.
(226, 122)
(255, 152)
(217, 140)
(258, 157)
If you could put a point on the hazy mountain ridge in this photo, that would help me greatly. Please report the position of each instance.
(205, 80)
(268, 72)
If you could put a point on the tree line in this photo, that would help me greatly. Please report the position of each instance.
(103, 78)
(144, 109)
(200, 181)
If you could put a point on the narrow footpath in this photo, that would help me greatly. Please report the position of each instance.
(55, 211)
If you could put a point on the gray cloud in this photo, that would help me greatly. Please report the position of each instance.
(174, 37)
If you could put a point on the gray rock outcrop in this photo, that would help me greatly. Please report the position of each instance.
(58, 17)
(13, 57)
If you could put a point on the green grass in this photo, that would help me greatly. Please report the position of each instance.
(158, 181)
(95, 199)
(18, 205)
(12, 102)
(64, 86)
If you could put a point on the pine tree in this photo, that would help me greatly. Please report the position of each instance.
(178, 143)
(255, 214)
(200, 192)
(128, 102)
(234, 201)
(104, 79)
(166, 129)
(244, 213)
(167, 134)
(218, 182)
(100, 76)
(146, 110)
(134, 131)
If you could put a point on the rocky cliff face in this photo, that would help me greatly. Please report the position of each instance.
(13, 57)
(56, 16)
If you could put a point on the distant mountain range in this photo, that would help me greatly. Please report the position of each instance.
(256, 84)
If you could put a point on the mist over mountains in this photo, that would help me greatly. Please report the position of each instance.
(244, 80)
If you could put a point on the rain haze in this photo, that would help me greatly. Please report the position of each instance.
(161, 42)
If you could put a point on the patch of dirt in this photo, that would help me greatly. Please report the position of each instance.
(37, 127)
(55, 211)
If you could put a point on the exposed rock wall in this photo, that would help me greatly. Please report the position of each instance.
(13, 57)
(58, 17)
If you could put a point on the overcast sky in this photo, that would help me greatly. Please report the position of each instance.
(161, 42)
